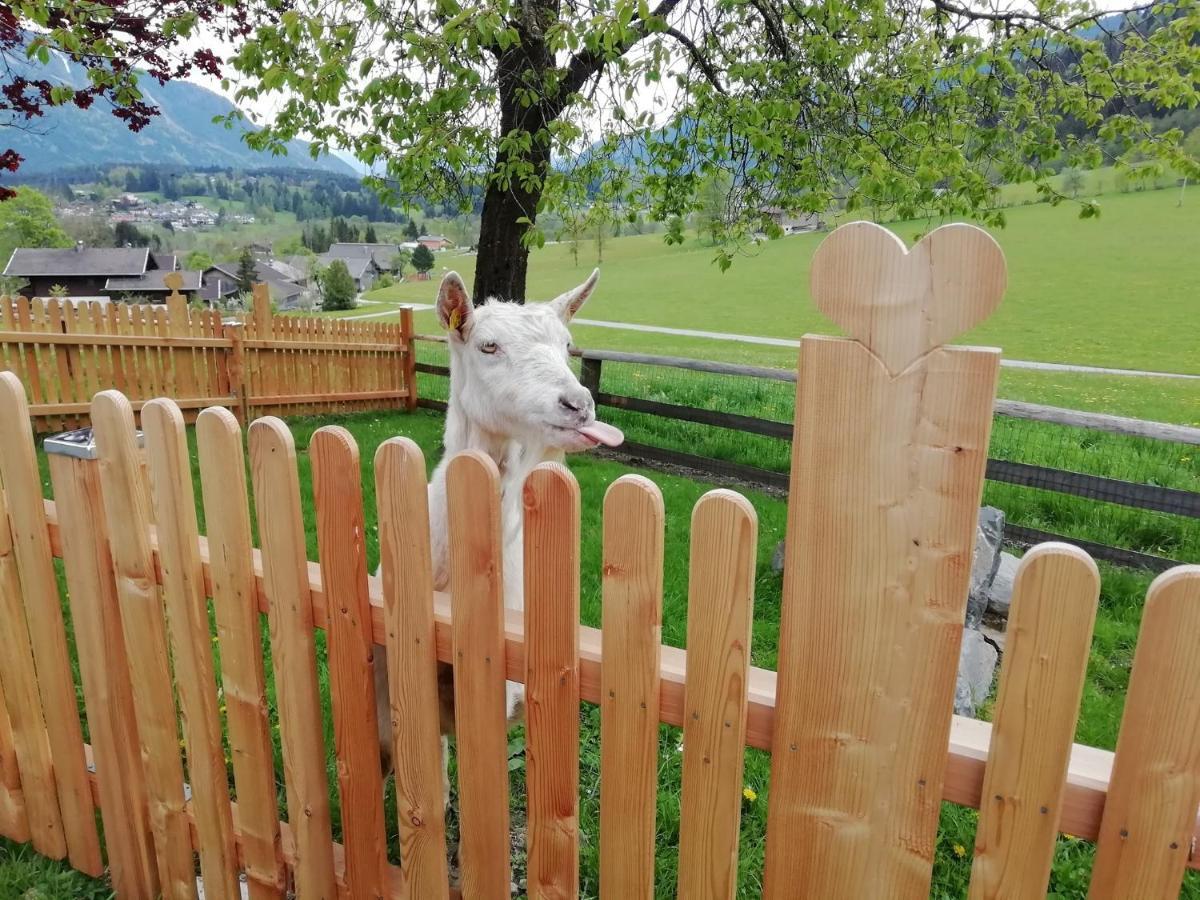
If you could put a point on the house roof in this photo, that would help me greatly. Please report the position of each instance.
(356, 265)
(168, 261)
(152, 282)
(435, 237)
(382, 254)
(78, 261)
(284, 270)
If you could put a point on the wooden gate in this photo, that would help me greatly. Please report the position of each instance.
(889, 452)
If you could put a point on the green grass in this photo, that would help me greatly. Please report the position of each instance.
(1115, 635)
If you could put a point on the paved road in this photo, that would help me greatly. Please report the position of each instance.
(784, 342)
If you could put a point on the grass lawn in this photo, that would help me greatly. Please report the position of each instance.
(1108, 674)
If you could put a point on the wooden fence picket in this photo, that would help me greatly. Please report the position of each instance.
(14, 823)
(174, 505)
(18, 679)
(342, 536)
(552, 681)
(481, 735)
(407, 572)
(1041, 682)
(879, 558)
(629, 689)
(235, 598)
(293, 650)
(104, 666)
(126, 508)
(47, 632)
(1150, 814)
(720, 606)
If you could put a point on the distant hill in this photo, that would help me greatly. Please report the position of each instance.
(183, 134)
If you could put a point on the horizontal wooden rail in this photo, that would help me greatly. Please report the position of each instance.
(748, 424)
(110, 340)
(58, 409)
(298, 399)
(1096, 487)
(301, 343)
(431, 369)
(1087, 778)
(1025, 536)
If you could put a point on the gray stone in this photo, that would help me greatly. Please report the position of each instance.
(777, 559)
(976, 666)
(1000, 591)
(989, 533)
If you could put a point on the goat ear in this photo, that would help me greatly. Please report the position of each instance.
(454, 308)
(566, 305)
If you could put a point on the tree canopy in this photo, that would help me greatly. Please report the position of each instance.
(27, 220)
(337, 287)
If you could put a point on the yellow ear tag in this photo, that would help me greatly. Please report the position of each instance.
(455, 318)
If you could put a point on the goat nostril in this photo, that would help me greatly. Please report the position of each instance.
(567, 403)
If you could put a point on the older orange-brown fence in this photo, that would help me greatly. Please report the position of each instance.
(888, 463)
(256, 364)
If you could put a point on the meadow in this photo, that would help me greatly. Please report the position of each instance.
(1118, 291)
(28, 877)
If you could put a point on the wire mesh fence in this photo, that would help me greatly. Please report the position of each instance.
(1136, 496)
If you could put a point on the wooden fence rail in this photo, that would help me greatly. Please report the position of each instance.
(858, 721)
(257, 364)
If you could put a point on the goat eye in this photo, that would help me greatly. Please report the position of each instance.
(489, 347)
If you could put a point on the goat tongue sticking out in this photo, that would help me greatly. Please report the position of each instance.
(603, 433)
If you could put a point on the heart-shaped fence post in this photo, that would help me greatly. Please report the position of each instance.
(888, 456)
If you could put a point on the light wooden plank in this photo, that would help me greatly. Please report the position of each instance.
(293, 651)
(342, 535)
(1033, 725)
(47, 632)
(477, 586)
(226, 513)
(408, 359)
(14, 822)
(1146, 833)
(59, 385)
(407, 584)
(720, 611)
(551, 501)
(104, 666)
(126, 508)
(888, 455)
(174, 505)
(18, 678)
(629, 692)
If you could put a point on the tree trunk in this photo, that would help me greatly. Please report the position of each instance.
(503, 259)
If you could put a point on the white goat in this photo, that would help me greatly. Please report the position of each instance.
(514, 397)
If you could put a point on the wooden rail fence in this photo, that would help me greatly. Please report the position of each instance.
(257, 364)
(888, 457)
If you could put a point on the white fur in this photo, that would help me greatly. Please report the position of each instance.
(514, 397)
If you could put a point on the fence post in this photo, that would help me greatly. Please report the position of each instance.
(262, 312)
(408, 360)
(589, 375)
(237, 370)
(100, 643)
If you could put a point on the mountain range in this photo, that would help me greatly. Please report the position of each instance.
(182, 134)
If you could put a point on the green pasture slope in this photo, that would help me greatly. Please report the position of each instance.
(24, 875)
(1120, 291)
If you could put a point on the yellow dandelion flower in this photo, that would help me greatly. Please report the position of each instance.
(750, 794)
(960, 851)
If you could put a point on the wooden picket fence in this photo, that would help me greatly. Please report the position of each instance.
(889, 453)
(256, 364)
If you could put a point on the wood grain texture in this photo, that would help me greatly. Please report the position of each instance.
(1033, 724)
(724, 553)
(18, 679)
(14, 823)
(629, 689)
(407, 585)
(293, 652)
(551, 503)
(481, 730)
(226, 512)
(174, 506)
(902, 303)
(886, 476)
(126, 509)
(104, 667)
(1146, 833)
(341, 534)
(47, 632)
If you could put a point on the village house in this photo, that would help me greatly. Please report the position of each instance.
(96, 272)
(793, 223)
(435, 242)
(363, 269)
(220, 282)
(383, 255)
